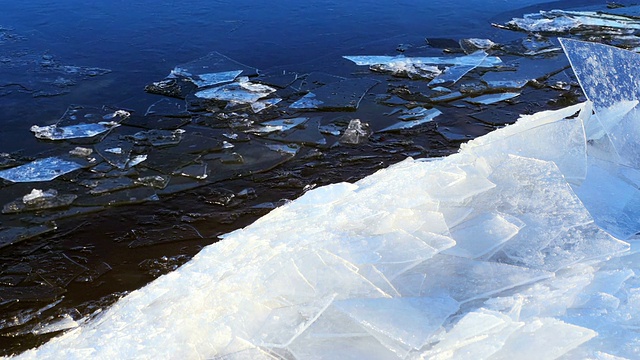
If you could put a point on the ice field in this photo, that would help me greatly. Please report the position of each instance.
(522, 245)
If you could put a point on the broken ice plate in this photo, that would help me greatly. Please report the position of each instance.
(40, 170)
(279, 125)
(243, 92)
(468, 60)
(39, 200)
(341, 95)
(454, 73)
(491, 98)
(426, 117)
(210, 79)
(212, 69)
(53, 132)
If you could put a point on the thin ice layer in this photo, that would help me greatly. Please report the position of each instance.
(40, 170)
(469, 60)
(53, 132)
(243, 92)
(424, 117)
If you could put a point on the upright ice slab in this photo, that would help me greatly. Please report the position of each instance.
(610, 190)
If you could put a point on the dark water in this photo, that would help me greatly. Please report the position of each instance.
(88, 260)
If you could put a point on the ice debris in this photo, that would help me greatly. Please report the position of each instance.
(503, 250)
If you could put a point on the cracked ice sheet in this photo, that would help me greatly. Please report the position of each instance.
(212, 69)
(560, 21)
(339, 95)
(40, 170)
(423, 118)
(243, 92)
(469, 60)
(464, 279)
(53, 132)
(454, 73)
(401, 324)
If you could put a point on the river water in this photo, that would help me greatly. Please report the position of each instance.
(55, 54)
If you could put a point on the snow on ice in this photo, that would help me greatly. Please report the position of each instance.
(522, 245)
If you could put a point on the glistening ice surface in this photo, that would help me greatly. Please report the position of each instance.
(501, 251)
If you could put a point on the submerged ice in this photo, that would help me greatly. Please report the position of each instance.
(522, 245)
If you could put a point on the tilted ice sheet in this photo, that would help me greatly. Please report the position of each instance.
(607, 75)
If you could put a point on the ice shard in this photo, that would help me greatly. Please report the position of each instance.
(212, 69)
(414, 120)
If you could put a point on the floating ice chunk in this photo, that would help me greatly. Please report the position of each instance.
(289, 149)
(264, 104)
(492, 98)
(455, 73)
(469, 60)
(356, 132)
(407, 68)
(524, 70)
(122, 114)
(401, 324)
(474, 44)
(308, 101)
(12, 235)
(39, 200)
(561, 21)
(424, 117)
(53, 132)
(344, 95)
(212, 69)
(211, 79)
(243, 92)
(279, 125)
(158, 137)
(415, 113)
(40, 170)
